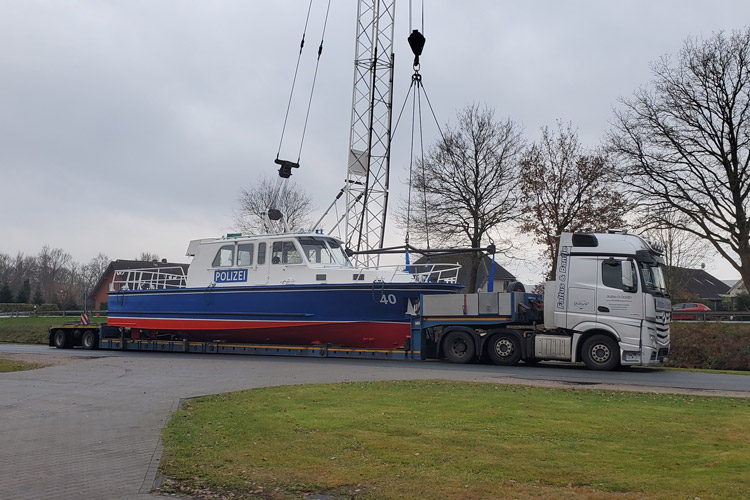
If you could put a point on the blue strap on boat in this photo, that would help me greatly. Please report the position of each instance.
(408, 267)
(491, 284)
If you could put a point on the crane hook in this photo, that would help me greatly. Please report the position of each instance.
(416, 42)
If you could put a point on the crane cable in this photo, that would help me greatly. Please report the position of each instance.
(294, 79)
(315, 77)
(416, 42)
(286, 166)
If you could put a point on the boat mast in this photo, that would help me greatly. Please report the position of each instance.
(365, 190)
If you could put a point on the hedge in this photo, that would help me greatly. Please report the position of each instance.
(710, 345)
(6, 307)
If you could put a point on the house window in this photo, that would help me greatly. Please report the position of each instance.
(245, 255)
(224, 257)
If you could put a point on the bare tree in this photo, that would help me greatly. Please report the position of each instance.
(54, 270)
(567, 188)
(680, 255)
(255, 201)
(682, 250)
(467, 184)
(94, 270)
(147, 257)
(52, 275)
(686, 143)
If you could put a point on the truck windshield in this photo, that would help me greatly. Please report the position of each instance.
(653, 279)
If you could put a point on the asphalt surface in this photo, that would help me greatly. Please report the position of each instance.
(91, 429)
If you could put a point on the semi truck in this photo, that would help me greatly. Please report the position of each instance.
(606, 307)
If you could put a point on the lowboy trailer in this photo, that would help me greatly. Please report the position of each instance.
(606, 307)
(426, 340)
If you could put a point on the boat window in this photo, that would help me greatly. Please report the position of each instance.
(261, 253)
(245, 254)
(284, 252)
(316, 251)
(338, 253)
(224, 257)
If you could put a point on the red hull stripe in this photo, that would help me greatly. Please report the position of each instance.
(214, 324)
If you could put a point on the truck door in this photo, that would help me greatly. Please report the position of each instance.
(619, 303)
(582, 279)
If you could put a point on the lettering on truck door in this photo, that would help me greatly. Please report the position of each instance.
(582, 285)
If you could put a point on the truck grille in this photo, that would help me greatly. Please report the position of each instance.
(662, 332)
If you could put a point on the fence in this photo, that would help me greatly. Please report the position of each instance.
(711, 316)
(71, 313)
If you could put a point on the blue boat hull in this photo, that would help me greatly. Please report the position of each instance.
(354, 315)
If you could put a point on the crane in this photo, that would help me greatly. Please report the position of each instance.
(361, 223)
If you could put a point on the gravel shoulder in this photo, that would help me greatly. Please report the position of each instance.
(44, 359)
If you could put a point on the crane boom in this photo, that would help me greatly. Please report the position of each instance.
(366, 186)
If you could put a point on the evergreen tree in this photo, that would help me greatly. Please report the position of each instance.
(24, 293)
(38, 300)
(6, 296)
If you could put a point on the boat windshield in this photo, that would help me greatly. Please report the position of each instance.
(653, 279)
(323, 251)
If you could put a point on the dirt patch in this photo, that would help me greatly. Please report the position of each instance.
(43, 359)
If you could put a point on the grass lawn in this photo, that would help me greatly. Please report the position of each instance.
(33, 330)
(450, 440)
(9, 365)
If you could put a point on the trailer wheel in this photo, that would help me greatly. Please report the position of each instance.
(89, 340)
(504, 349)
(458, 347)
(62, 340)
(600, 352)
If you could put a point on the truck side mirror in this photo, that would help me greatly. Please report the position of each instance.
(628, 283)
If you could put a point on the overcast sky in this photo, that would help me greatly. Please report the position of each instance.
(129, 126)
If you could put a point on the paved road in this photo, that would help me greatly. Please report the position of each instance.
(90, 429)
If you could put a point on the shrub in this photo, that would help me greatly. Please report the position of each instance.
(14, 307)
(710, 345)
(742, 302)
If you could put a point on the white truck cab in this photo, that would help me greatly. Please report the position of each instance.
(609, 295)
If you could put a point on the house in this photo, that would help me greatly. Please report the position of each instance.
(737, 289)
(696, 283)
(99, 295)
(501, 279)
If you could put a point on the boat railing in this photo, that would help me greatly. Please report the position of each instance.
(421, 273)
(434, 273)
(153, 278)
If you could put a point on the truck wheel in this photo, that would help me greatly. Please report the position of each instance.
(504, 349)
(89, 340)
(62, 340)
(458, 347)
(600, 352)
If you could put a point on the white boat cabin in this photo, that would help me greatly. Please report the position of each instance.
(289, 258)
(274, 259)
